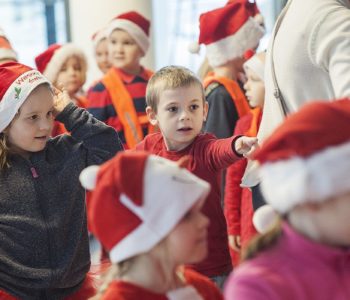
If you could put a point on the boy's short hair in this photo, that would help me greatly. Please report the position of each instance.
(170, 77)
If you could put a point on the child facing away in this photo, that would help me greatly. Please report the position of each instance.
(65, 66)
(227, 32)
(238, 201)
(119, 98)
(44, 240)
(176, 104)
(305, 178)
(100, 43)
(151, 226)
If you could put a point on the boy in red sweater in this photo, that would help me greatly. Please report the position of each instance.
(176, 104)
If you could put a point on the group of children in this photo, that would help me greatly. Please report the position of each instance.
(157, 207)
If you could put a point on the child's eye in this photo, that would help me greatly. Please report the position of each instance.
(33, 117)
(172, 109)
(194, 106)
(50, 113)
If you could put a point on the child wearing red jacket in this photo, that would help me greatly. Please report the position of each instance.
(238, 200)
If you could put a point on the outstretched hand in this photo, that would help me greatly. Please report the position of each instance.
(246, 146)
(61, 100)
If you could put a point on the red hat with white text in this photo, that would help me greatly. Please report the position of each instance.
(17, 81)
(137, 199)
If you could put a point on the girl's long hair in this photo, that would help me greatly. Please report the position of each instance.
(263, 241)
(4, 152)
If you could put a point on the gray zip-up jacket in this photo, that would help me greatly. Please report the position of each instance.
(44, 248)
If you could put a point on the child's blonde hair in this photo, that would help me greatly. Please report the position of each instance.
(4, 152)
(170, 77)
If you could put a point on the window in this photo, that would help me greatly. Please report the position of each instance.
(31, 25)
(176, 25)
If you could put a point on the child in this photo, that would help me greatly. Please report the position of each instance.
(119, 98)
(65, 66)
(238, 201)
(100, 42)
(6, 52)
(176, 104)
(305, 177)
(150, 232)
(227, 32)
(44, 241)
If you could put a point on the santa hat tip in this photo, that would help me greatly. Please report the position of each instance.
(88, 177)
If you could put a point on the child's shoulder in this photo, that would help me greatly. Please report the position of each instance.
(151, 142)
(202, 284)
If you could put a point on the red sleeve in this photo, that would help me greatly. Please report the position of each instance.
(204, 286)
(233, 190)
(233, 196)
(217, 154)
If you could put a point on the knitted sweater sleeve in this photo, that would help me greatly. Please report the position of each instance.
(329, 46)
(97, 141)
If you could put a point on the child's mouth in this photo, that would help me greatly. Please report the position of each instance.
(185, 129)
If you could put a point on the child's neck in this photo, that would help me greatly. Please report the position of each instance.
(133, 71)
(149, 273)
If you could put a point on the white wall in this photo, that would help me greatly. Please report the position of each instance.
(87, 16)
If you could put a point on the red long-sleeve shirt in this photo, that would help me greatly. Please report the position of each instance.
(209, 157)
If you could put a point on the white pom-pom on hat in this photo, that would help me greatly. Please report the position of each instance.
(194, 47)
(88, 177)
(264, 217)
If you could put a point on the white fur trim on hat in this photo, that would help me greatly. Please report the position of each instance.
(88, 177)
(59, 58)
(256, 65)
(287, 183)
(168, 193)
(135, 31)
(7, 54)
(233, 46)
(17, 93)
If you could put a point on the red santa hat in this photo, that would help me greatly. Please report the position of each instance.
(17, 81)
(228, 32)
(138, 199)
(6, 51)
(134, 24)
(306, 159)
(50, 61)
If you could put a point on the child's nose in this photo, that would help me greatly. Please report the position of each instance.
(184, 115)
(45, 124)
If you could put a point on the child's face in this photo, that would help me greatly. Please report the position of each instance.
(180, 116)
(101, 55)
(124, 52)
(332, 219)
(30, 130)
(254, 89)
(187, 242)
(71, 75)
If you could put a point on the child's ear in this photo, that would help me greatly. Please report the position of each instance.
(205, 110)
(152, 116)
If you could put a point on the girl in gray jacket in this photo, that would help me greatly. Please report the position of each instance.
(44, 249)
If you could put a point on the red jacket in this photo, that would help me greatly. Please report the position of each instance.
(238, 201)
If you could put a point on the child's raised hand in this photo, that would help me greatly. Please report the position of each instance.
(61, 100)
(246, 146)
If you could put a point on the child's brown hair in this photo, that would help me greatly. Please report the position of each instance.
(170, 77)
